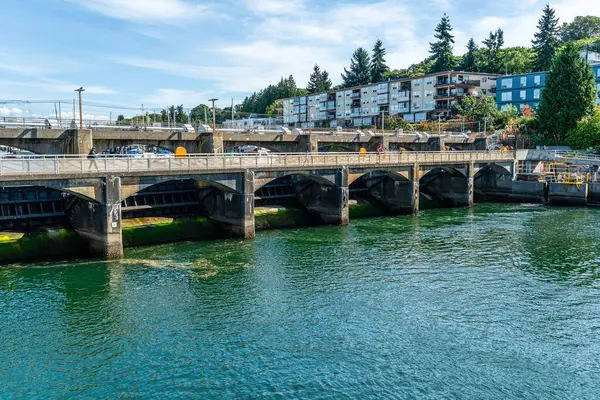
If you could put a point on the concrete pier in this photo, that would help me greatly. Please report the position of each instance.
(567, 194)
(99, 223)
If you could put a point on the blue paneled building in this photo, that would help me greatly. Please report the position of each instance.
(526, 89)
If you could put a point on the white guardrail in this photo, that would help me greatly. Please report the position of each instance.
(76, 164)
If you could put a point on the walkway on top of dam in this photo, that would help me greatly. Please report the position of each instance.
(66, 166)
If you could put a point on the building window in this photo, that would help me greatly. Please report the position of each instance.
(536, 93)
(417, 82)
(373, 100)
(523, 81)
(416, 94)
(429, 81)
(523, 94)
(365, 91)
(507, 96)
(507, 83)
(537, 79)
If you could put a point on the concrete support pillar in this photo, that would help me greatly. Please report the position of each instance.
(414, 184)
(212, 142)
(470, 184)
(328, 202)
(383, 140)
(235, 210)
(343, 196)
(81, 141)
(245, 228)
(308, 143)
(99, 223)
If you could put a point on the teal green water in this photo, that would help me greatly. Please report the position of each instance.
(497, 302)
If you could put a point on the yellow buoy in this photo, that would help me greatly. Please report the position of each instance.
(180, 152)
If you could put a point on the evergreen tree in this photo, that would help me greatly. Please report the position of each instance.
(325, 81)
(378, 65)
(492, 61)
(569, 95)
(545, 40)
(314, 80)
(360, 69)
(441, 51)
(319, 81)
(469, 62)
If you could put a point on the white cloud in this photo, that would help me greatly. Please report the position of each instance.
(147, 11)
(10, 112)
(56, 86)
(276, 7)
(165, 97)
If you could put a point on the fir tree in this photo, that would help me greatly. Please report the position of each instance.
(360, 69)
(469, 62)
(325, 82)
(492, 56)
(545, 40)
(441, 51)
(378, 65)
(314, 81)
(569, 95)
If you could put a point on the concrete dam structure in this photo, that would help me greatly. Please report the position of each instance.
(95, 200)
(73, 141)
(94, 196)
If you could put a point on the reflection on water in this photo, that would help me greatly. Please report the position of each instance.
(500, 301)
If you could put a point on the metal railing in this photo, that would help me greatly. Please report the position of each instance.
(16, 166)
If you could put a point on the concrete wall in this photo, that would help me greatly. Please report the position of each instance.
(567, 194)
(55, 141)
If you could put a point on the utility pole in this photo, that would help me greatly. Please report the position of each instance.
(382, 122)
(214, 114)
(80, 90)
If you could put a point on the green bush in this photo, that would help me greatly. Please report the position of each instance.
(586, 133)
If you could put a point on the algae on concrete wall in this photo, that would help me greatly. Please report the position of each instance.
(40, 245)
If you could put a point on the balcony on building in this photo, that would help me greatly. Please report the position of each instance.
(330, 105)
(355, 94)
(443, 94)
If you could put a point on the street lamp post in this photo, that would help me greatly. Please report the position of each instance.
(213, 107)
(81, 89)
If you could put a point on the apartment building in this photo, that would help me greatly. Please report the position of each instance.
(520, 90)
(526, 89)
(415, 99)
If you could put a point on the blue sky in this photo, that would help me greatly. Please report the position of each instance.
(159, 52)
